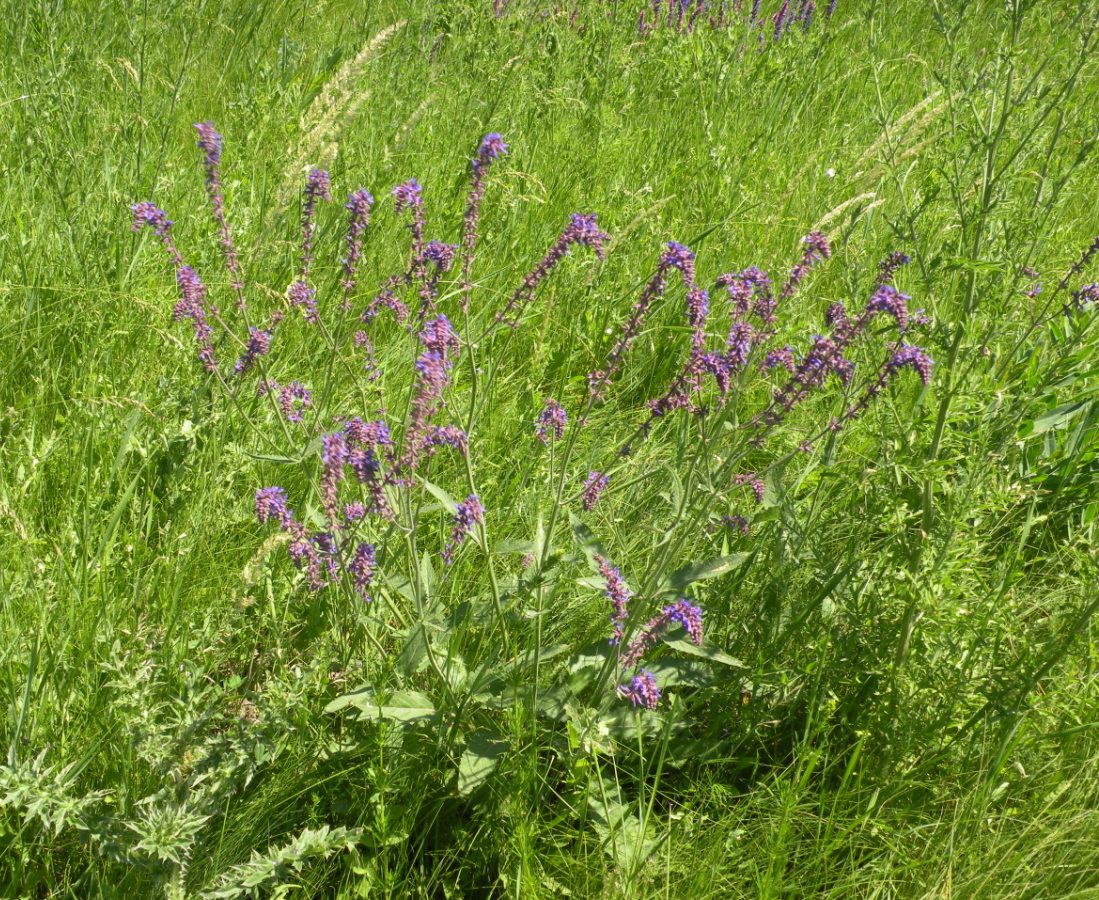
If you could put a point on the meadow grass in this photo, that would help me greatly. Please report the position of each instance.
(915, 708)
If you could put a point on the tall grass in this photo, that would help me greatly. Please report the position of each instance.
(910, 708)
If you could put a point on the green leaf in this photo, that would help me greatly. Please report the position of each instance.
(494, 675)
(623, 834)
(359, 699)
(707, 651)
(480, 759)
(413, 655)
(427, 575)
(268, 457)
(442, 496)
(672, 671)
(585, 537)
(683, 578)
(401, 706)
(1055, 417)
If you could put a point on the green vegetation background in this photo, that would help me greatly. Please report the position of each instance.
(923, 610)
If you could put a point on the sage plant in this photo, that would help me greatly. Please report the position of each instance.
(371, 461)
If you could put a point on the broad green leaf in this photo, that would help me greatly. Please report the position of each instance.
(401, 706)
(672, 671)
(1056, 417)
(707, 651)
(772, 485)
(683, 578)
(413, 655)
(427, 575)
(624, 836)
(454, 670)
(586, 661)
(482, 754)
(402, 585)
(359, 699)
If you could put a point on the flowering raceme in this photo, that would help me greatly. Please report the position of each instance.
(551, 421)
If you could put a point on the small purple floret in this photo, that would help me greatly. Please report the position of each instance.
(466, 515)
(642, 690)
(594, 486)
(551, 421)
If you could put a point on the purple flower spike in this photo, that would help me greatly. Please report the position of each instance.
(440, 255)
(682, 612)
(408, 195)
(1077, 267)
(441, 346)
(387, 300)
(437, 436)
(781, 18)
(642, 690)
(151, 216)
(825, 357)
(294, 398)
(689, 616)
(271, 504)
(361, 568)
(593, 489)
(492, 148)
(583, 230)
(1087, 296)
(192, 305)
(367, 434)
(301, 294)
(735, 523)
(551, 421)
(259, 344)
(353, 512)
(680, 257)
(904, 356)
(816, 249)
(887, 268)
(334, 457)
(438, 336)
(698, 310)
(889, 300)
(466, 515)
(317, 187)
(358, 206)
(363, 439)
(753, 481)
(618, 594)
(210, 143)
(783, 358)
(805, 15)
(908, 356)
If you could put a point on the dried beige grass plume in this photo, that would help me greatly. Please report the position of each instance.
(331, 111)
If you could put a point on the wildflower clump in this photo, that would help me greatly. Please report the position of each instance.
(369, 457)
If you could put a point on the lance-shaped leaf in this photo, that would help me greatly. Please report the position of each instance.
(683, 578)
